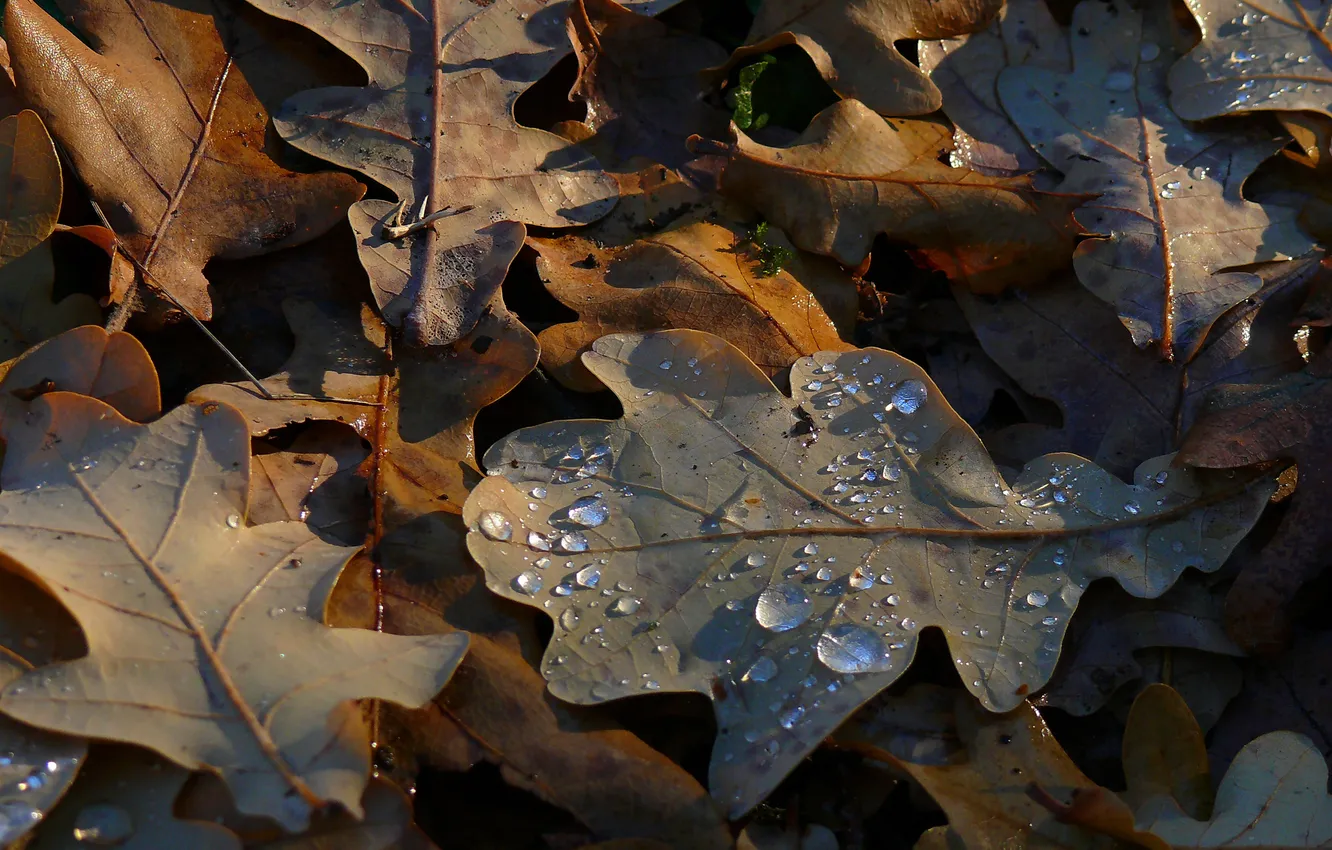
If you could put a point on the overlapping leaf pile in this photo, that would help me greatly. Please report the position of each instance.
(950, 416)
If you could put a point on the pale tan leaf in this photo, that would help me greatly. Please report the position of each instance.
(1164, 752)
(436, 127)
(30, 196)
(1263, 55)
(87, 360)
(782, 554)
(1172, 228)
(206, 640)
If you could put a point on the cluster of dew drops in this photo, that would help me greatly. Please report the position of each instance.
(1240, 58)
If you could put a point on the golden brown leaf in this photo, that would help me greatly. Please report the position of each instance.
(852, 175)
(168, 135)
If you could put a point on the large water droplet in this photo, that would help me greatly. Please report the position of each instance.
(1149, 51)
(529, 582)
(791, 716)
(574, 541)
(589, 576)
(103, 825)
(761, 671)
(233, 521)
(569, 618)
(495, 525)
(908, 397)
(589, 511)
(1037, 599)
(626, 605)
(782, 607)
(1132, 508)
(848, 648)
(756, 559)
(861, 579)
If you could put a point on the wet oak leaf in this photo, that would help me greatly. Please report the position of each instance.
(853, 44)
(640, 80)
(1286, 419)
(418, 419)
(435, 125)
(1121, 405)
(852, 175)
(1171, 226)
(701, 272)
(782, 554)
(966, 69)
(206, 639)
(123, 798)
(177, 164)
(1263, 55)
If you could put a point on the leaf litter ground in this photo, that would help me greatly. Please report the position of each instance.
(589, 396)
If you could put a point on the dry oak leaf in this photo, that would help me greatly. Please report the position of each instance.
(853, 44)
(782, 554)
(641, 81)
(1165, 754)
(852, 175)
(1284, 419)
(1256, 55)
(1002, 779)
(168, 136)
(1121, 405)
(123, 798)
(206, 640)
(89, 360)
(699, 273)
(435, 125)
(1171, 225)
(418, 418)
(966, 68)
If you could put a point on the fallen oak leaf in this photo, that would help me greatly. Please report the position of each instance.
(436, 127)
(29, 205)
(1165, 754)
(236, 674)
(1001, 778)
(701, 271)
(111, 366)
(852, 175)
(1267, 55)
(1284, 419)
(1121, 405)
(854, 44)
(966, 69)
(417, 413)
(168, 136)
(640, 80)
(780, 554)
(124, 798)
(1172, 230)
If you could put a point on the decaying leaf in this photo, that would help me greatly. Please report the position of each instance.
(206, 640)
(123, 798)
(966, 69)
(1286, 418)
(1121, 405)
(781, 555)
(1001, 779)
(1272, 54)
(701, 271)
(641, 81)
(168, 136)
(1172, 229)
(436, 127)
(852, 42)
(852, 175)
